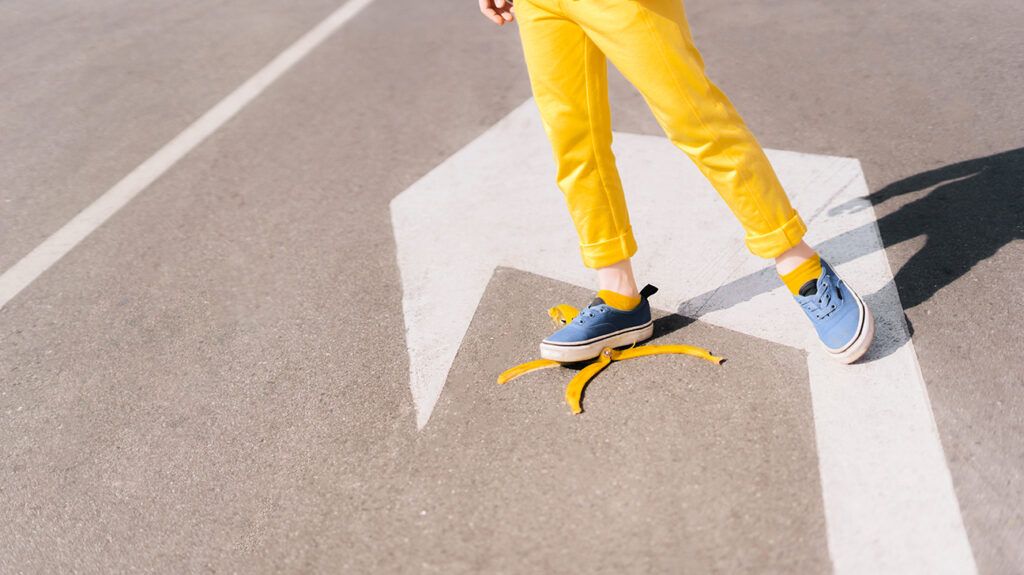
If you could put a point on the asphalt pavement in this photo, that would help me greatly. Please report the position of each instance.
(217, 378)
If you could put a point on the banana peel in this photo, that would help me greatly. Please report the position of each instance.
(561, 315)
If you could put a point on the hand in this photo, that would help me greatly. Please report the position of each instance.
(497, 11)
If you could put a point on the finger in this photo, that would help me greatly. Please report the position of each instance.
(499, 3)
(487, 10)
(507, 16)
(490, 13)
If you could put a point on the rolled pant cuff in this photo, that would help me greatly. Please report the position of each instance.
(772, 244)
(610, 251)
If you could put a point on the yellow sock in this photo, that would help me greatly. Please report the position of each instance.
(618, 301)
(805, 272)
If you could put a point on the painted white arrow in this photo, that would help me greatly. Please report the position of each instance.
(889, 501)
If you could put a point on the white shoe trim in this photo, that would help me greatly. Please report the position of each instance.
(583, 352)
(859, 345)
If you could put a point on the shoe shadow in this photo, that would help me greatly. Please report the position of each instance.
(670, 323)
(663, 326)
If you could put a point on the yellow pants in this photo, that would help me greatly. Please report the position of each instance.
(565, 43)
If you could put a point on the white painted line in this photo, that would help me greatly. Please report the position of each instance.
(30, 267)
(888, 495)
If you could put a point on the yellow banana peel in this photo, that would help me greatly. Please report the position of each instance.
(563, 314)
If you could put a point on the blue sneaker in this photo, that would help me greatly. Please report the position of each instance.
(844, 324)
(599, 326)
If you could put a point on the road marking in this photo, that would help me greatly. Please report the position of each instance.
(888, 495)
(53, 248)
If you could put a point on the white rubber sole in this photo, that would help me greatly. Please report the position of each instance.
(860, 344)
(589, 350)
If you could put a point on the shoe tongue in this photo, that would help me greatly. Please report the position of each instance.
(809, 288)
(596, 301)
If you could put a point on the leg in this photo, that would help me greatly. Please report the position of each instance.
(618, 278)
(790, 259)
(568, 75)
(570, 85)
(650, 42)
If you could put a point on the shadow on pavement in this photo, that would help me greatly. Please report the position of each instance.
(968, 212)
(973, 209)
(677, 464)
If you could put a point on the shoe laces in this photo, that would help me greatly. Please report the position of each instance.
(590, 311)
(825, 302)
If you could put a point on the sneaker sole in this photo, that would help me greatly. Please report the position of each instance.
(570, 353)
(860, 344)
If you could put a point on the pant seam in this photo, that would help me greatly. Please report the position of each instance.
(714, 134)
(774, 238)
(620, 249)
(593, 139)
(618, 238)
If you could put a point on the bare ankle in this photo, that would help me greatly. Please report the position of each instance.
(793, 257)
(618, 278)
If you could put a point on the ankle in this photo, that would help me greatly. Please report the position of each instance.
(628, 290)
(618, 278)
(792, 258)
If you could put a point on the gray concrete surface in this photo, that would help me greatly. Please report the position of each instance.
(91, 90)
(665, 449)
(912, 88)
(216, 378)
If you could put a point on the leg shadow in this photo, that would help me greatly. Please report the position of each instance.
(969, 210)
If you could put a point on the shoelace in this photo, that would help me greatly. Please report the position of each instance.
(823, 306)
(589, 312)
